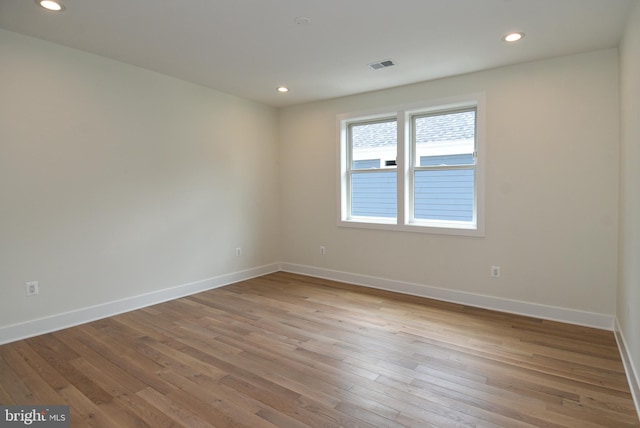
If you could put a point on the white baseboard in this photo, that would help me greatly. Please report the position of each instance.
(56, 322)
(633, 375)
(571, 316)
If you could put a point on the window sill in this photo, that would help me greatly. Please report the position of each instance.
(431, 227)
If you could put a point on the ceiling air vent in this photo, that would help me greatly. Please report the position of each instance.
(382, 64)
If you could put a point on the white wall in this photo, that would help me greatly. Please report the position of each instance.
(629, 251)
(551, 184)
(116, 181)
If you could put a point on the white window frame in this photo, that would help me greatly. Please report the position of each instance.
(405, 168)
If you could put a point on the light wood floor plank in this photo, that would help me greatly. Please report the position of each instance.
(30, 367)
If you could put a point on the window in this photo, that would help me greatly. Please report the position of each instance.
(417, 168)
(373, 184)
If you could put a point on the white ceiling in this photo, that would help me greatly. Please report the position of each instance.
(250, 47)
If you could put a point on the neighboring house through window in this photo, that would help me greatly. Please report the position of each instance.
(417, 168)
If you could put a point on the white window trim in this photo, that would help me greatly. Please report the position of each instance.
(403, 114)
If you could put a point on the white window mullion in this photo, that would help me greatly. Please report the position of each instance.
(411, 167)
(403, 185)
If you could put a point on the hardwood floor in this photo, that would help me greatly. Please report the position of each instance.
(286, 350)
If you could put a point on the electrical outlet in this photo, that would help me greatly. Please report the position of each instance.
(238, 252)
(322, 250)
(32, 287)
(495, 271)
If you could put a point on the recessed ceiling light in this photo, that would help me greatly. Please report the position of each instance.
(51, 5)
(283, 89)
(512, 37)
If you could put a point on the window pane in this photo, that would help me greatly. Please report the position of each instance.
(374, 194)
(444, 195)
(373, 141)
(444, 136)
